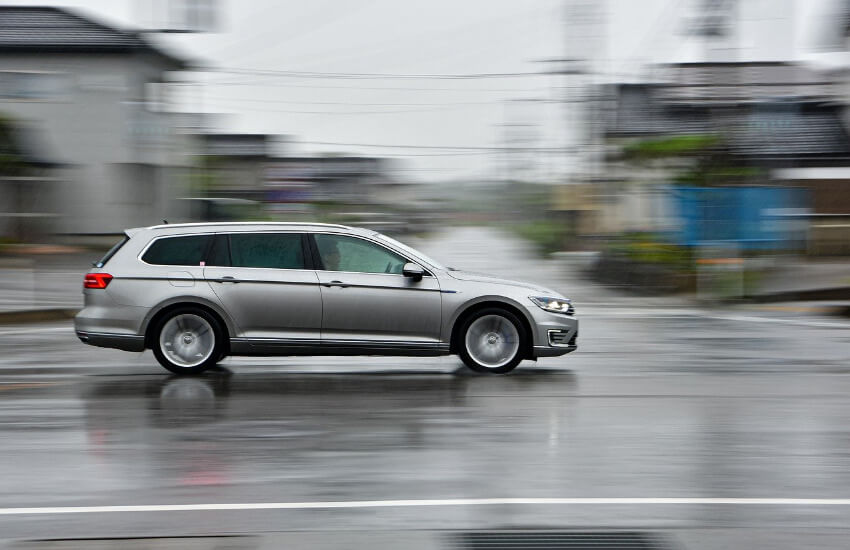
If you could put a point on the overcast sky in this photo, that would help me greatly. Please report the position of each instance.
(435, 37)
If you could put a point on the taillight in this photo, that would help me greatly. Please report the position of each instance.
(96, 280)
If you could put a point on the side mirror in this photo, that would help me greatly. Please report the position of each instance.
(413, 271)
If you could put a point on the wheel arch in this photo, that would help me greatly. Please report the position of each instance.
(168, 306)
(488, 302)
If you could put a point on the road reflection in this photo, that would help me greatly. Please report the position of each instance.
(224, 428)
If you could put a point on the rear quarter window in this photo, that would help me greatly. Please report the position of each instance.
(115, 248)
(189, 250)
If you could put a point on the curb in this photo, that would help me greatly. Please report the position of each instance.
(36, 315)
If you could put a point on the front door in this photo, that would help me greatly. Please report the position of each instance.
(266, 286)
(365, 297)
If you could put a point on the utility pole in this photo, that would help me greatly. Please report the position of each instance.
(583, 46)
(178, 17)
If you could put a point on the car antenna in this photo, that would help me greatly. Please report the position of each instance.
(165, 222)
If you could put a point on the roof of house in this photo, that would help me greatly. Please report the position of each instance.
(51, 29)
(638, 113)
(785, 130)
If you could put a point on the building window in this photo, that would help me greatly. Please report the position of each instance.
(33, 86)
(156, 96)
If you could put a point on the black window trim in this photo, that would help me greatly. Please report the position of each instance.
(311, 256)
(112, 252)
(315, 258)
(225, 238)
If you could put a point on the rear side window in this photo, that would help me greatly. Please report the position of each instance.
(115, 248)
(189, 250)
(268, 250)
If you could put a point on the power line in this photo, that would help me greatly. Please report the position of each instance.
(348, 113)
(406, 155)
(437, 147)
(266, 83)
(359, 104)
(379, 76)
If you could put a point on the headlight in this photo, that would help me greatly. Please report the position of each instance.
(555, 305)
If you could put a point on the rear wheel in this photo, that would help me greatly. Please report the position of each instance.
(492, 340)
(188, 341)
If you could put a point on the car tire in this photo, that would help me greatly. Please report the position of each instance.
(492, 340)
(188, 340)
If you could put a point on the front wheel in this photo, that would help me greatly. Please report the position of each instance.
(492, 340)
(188, 341)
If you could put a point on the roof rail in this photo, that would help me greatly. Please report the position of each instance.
(207, 224)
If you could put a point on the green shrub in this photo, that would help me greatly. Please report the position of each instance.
(548, 236)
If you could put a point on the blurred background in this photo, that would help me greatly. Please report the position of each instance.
(666, 164)
(664, 146)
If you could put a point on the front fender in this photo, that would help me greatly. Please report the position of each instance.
(495, 299)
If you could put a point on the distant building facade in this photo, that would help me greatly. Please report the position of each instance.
(93, 96)
(775, 121)
(251, 167)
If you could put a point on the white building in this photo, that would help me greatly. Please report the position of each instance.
(92, 96)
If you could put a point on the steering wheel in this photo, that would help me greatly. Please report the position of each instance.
(389, 268)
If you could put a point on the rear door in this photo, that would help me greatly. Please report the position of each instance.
(266, 283)
(367, 299)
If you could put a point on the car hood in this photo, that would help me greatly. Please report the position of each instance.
(484, 278)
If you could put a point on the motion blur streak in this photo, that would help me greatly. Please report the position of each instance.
(678, 169)
(406, 503)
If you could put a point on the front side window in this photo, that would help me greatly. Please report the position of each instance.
(340, 253)
(187, 250)
(267, 250)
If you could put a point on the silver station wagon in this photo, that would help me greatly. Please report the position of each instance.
(197, 293)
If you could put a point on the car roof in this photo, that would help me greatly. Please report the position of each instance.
(203, 227)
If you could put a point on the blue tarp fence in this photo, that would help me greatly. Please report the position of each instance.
(751, 218)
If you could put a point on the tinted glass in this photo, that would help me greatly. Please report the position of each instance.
(178, 250)
(111, 252)
(413, 252)
(339, 253)
(270, 250)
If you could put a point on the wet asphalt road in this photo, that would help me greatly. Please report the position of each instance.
(660, 401)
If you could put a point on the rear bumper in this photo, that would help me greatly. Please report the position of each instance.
(126, 342)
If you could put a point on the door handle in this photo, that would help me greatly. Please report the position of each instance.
(335, 283)
(228, 279)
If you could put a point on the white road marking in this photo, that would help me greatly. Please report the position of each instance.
(420, 503)
(638, 312)
(655, 313)
(35, 330)
(803, 322)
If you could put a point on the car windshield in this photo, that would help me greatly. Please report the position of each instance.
(413, 252)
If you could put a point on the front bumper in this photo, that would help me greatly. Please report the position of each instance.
(549, 351)
(555, 334)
